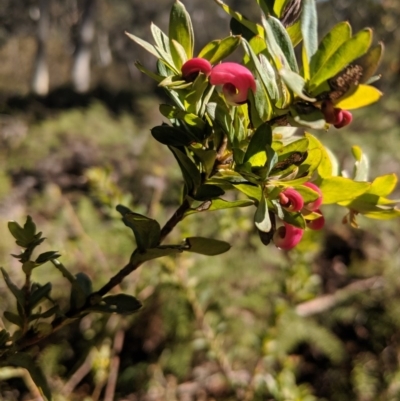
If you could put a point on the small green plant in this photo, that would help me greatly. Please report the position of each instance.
(244, 139)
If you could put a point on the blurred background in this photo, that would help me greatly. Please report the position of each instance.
(319, 323)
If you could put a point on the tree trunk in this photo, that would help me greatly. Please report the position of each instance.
(40, 77)
(81, 63)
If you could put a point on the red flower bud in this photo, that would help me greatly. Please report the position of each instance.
(194, 66)
(291, 200)
(287, 236)
(316, 224)
(333, 115)
(346, 119)
(313, 206)
(236, 80)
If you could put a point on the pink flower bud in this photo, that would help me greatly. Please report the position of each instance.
(194, 66)
(333, 115)
(316, 224)
(318, 202)
(287, 236)
(291, 200)
(236, 80)
(346, 119)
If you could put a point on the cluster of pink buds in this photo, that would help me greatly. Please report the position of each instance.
(333, 115)
(236, 80)
(288, 236)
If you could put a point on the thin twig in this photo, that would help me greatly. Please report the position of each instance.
(57, 324)
(76, 378)
(113, 374)
(326, 302)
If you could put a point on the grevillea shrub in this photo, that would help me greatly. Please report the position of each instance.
(237, 128)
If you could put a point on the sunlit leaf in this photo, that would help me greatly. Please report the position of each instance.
(350, 50)
(261, 217)
(255, 28)
(325, 167)
(296, 83)
(361, 166)
(181, 31)
(360, 96)
(339, 34)
(309, 30)
(283, 40)
(217, 50)
(338, 189)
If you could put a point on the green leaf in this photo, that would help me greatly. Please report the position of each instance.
(152, 50)
(256, 29)
(350, 50)
(24, 360)
(172, 136)
(339, 34)
(309, 30)
(81, 288)
(46, 256)
(361, 166)
(306, 116)
(14, 318)
(359, 96)
(294, 218)
(255, 153)
(4, 337)
(39, 294)
(64, 271)
(162, 41)
(267, 6)
(160, 38)
(193, 100)
(208, 192)
(272, 43)
(180, 55)
(219, 114)
(159, 252)
(325, 167)
(261, 217)
(206, 246)
(190, 119)
(23, 235)
(218, 50)
(252, 191)
(207, 158)
(263, 68)
(259, 105)
(383, 185)
(306, 193)
(181, 29)
(147, 231)
(283, 40)
(190, 172)
(149, 73)
(300, 145)
(122, 304)
(18, 294)
(218, 204)
(339, 189)
(238, 29)
(370, 61)
(296, 83)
